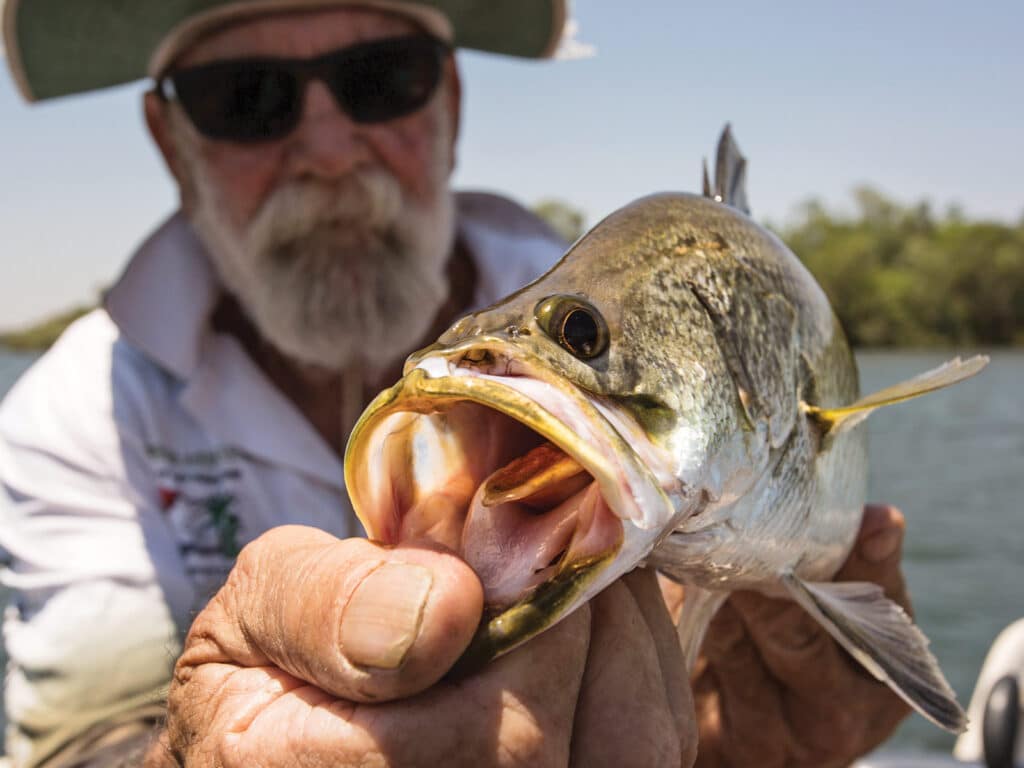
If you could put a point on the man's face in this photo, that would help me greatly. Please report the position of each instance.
(335, 237)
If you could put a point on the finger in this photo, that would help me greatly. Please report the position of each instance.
(795, 647)
(159, 754)
(518, 711)
(772, 646)
(877, 553)
(623, 716)
(799, 652)
(876, 557)
(748, 686)
(878, 518)
(673, 593)
(644, 586)
(809, 666)
(360, 621)
(737, 700)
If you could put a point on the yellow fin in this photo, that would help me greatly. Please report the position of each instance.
(947, 374)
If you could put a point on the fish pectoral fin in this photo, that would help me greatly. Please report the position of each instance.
(880, 635)
(947, 374)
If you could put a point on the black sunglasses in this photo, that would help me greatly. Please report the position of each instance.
(252, 100)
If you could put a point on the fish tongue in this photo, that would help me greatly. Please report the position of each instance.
(512, 549)
(541, 479)
(537, 514)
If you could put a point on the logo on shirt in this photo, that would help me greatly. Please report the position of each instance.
(225, 523)
(196, 491)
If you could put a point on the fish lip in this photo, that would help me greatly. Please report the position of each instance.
(417, 391)
(529, 617)
(626, 484)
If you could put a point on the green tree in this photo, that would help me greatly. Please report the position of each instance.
(897, 275)
(567, 221)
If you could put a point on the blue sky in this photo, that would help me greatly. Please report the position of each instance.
(920, 98)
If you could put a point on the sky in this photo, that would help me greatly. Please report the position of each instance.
(919, 98)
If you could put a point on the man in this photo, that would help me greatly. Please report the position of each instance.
(208, 403)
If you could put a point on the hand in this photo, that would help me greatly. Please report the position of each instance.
(326, 652)
(773, 689)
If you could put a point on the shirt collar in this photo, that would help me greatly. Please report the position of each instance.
(163, 300)
(162, 306)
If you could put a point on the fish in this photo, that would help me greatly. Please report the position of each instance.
(675, 393)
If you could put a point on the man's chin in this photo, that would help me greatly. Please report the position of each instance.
(373, 344)
(339, 295)
(335, 241)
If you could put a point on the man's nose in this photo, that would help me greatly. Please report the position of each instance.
(326, 143)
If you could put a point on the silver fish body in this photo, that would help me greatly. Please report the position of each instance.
(676, 391)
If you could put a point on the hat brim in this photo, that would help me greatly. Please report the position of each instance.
(62, 47)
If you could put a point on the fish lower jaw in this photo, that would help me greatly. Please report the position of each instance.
(515, 549)
(478, 473)
(514, 545)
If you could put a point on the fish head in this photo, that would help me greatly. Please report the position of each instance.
(554, 438)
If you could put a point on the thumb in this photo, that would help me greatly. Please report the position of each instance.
(877, 553)
(360, 621)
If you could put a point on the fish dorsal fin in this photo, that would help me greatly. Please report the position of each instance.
(730, 174)
(947, 374)
(881, 636)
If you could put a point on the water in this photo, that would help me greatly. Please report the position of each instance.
(953, 462)
(12, 365)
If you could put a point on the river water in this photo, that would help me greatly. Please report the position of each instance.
(954, 462)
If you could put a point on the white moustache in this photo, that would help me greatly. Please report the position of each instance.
(367, 201)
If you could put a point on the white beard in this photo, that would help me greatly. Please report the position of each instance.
(334, 274)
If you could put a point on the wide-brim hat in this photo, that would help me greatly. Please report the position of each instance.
(61, 47)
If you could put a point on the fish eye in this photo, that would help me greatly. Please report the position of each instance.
(574, 324)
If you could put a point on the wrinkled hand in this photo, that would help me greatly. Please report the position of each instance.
(326, 652)
(773, 689)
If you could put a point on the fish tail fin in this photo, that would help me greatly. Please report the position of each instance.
(730, 174)
(947, 374)
(881, 636)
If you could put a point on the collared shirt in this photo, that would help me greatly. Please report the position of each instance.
(139, 454)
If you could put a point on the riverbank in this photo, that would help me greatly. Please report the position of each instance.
(40, 336)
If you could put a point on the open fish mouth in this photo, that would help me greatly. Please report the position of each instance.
(539, 486)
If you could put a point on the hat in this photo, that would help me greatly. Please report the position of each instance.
(61, 47)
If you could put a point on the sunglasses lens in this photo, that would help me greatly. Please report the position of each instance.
(259, 100)
(386, 80)
(251, 101)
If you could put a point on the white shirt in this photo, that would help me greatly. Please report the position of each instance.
(139, 454)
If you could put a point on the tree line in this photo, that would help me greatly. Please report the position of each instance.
(903, 276)
(897, 275)
(900, 275)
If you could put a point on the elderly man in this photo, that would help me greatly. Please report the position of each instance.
(206, 405)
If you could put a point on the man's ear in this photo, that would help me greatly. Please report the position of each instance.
(454, 95)
(157, 116)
